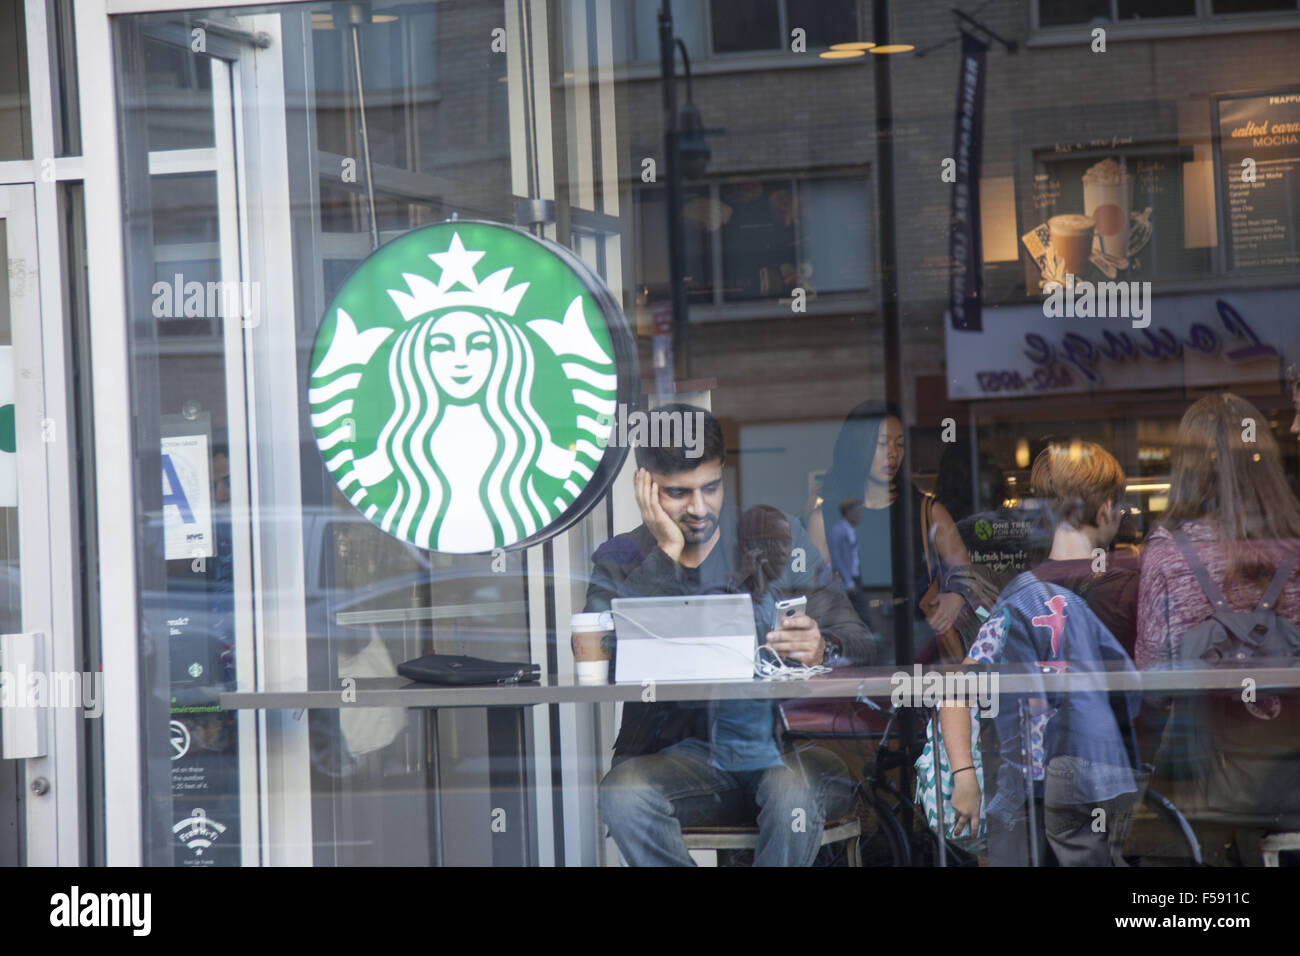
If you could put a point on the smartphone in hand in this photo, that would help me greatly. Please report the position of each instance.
(788, 608)
(785, 610)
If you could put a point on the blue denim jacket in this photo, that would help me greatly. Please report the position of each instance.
(1045, 624)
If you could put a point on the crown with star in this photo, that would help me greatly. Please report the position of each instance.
(457, 286)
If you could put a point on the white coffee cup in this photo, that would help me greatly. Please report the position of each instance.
(592, 640)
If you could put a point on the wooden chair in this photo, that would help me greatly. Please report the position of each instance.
(746, 838)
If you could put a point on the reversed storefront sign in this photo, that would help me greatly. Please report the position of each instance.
(1191, 341)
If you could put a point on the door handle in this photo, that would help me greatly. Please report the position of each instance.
(24, 696)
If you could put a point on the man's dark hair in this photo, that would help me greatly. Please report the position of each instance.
(675, 457)
(847, 505)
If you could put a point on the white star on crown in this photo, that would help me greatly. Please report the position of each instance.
(457, 265)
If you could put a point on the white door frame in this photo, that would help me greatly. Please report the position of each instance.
(55, 819)
(52, 797)
(262, 245)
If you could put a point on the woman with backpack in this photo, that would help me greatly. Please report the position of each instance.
(1217, 585)
(1228, 495)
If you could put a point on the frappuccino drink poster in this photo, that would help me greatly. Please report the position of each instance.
(463, 385)
(1101, 237)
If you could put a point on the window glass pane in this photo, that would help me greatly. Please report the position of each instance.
(15, 106)
(758, 239)
(12, 779)
(10, 580)
(688, 26)
(831, 21)
(701, 218)
(1253, 6)
(185, 251)
(621, 40)
(401, 65)
(77, 309)
(743, 25)
(1151, 9)
(178, 87)
(900, 424)
(1057, 13)
(64, 47)
(833, 226)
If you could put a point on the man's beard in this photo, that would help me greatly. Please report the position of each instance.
(698, 535)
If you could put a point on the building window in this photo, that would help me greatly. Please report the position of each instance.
(746, 26)
(1151, 9)
(1063, 13)
(755, 240)
(1060, 13)
(1253, 6)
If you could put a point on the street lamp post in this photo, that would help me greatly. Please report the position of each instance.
(901, 518)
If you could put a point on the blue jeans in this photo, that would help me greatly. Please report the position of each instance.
(645, 802)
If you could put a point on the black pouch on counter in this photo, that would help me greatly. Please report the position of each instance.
(454, 671)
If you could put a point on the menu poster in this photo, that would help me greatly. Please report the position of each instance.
(1258, 146)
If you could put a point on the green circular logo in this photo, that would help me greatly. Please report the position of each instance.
(983, 530)
(463, 384)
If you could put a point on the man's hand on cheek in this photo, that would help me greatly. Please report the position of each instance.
(800, 639)
(667, 534)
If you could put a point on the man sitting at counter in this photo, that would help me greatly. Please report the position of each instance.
(719, 763)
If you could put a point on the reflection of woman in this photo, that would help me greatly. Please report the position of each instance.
(1232, 513)
(867, 464)
(457, 377)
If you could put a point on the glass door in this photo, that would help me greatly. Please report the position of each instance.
(197, 587)
(34, 691)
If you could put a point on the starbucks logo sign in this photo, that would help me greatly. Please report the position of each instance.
(463, 384)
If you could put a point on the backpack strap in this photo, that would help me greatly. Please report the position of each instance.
(1269, 601)
(1202, 576)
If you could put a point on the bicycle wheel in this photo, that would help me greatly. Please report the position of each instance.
(1160, 836)
(883, 841)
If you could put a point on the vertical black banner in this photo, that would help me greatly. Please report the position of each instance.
(966, 258)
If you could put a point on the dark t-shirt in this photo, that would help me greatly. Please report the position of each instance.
(1112, 594)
